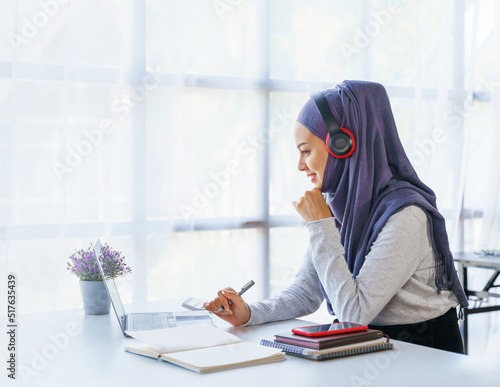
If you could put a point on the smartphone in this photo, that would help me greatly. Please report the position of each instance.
(329, 329)
(193, 304)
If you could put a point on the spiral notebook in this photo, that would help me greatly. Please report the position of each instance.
(381, 344)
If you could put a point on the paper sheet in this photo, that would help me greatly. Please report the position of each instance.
(184, 338)
(225, 357)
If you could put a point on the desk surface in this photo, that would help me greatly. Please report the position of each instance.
(475, 260)
(67, 348)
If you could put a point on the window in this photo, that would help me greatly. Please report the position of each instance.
(165, 128)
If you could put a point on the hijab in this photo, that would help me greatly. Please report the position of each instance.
(364, 190)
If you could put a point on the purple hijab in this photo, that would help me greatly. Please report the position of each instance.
(377, 181)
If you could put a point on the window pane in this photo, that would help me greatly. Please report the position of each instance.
(30, 261)
(307, 39)
(286, 183)
(478, 151)
(472, 234)
(39, 36)
(109, 42)
(479, 43)
(56, 32)
(199, 264)
(432, 139)
(8, 31)
(37, 124)
(204, 37)
(407, 40)
(5, 187)
(98, 146)
(5, 147)
(76, 169)
(204, 153)
(286, 257)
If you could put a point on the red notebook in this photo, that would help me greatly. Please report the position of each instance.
(328, 341)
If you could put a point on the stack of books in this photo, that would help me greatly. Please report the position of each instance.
(330, 347)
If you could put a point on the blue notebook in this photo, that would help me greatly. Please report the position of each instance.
(381, 344)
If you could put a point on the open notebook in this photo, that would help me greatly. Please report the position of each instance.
(201, 348)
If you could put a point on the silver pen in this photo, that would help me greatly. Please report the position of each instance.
(247, 286)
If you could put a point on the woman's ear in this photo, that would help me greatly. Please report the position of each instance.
(326, 146)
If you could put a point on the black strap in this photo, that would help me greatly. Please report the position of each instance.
(326, 113)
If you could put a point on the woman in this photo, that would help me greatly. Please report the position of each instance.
(378, 248)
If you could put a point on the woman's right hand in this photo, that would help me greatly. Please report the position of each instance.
(238, 313)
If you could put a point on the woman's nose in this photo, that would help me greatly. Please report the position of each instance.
(302, 165)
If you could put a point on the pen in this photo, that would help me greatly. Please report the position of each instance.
(247, 286)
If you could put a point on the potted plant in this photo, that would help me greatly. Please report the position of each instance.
(83, 264)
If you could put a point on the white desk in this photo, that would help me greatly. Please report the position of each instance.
(464, 261)
(70, 349)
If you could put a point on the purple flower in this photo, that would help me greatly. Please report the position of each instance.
(84, 265)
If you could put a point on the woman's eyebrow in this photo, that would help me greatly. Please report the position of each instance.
(302, 143)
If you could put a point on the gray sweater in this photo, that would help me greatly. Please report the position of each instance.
(394, 286)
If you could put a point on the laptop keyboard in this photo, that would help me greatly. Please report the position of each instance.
(150, 321)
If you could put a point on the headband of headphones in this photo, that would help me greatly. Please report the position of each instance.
(340, 141)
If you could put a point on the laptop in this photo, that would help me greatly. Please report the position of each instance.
(147, 321)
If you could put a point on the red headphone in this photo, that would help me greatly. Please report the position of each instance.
(340, 141)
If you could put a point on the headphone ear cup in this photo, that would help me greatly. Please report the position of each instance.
(341, 144)
(340, 141)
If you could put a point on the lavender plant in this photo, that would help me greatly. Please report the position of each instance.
(83, 264)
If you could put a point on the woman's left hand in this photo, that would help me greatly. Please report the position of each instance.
(312, 206)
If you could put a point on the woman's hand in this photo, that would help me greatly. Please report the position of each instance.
(312, 206)
(238, 313)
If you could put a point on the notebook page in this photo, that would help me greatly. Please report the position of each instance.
(225, 356)
(184, 338)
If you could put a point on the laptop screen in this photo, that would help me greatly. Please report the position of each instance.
(112, 290)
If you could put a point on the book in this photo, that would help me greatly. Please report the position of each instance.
(376, 345)
(201, 348)
(328, 341)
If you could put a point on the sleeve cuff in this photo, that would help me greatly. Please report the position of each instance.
(249, 322)
(321, 226)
